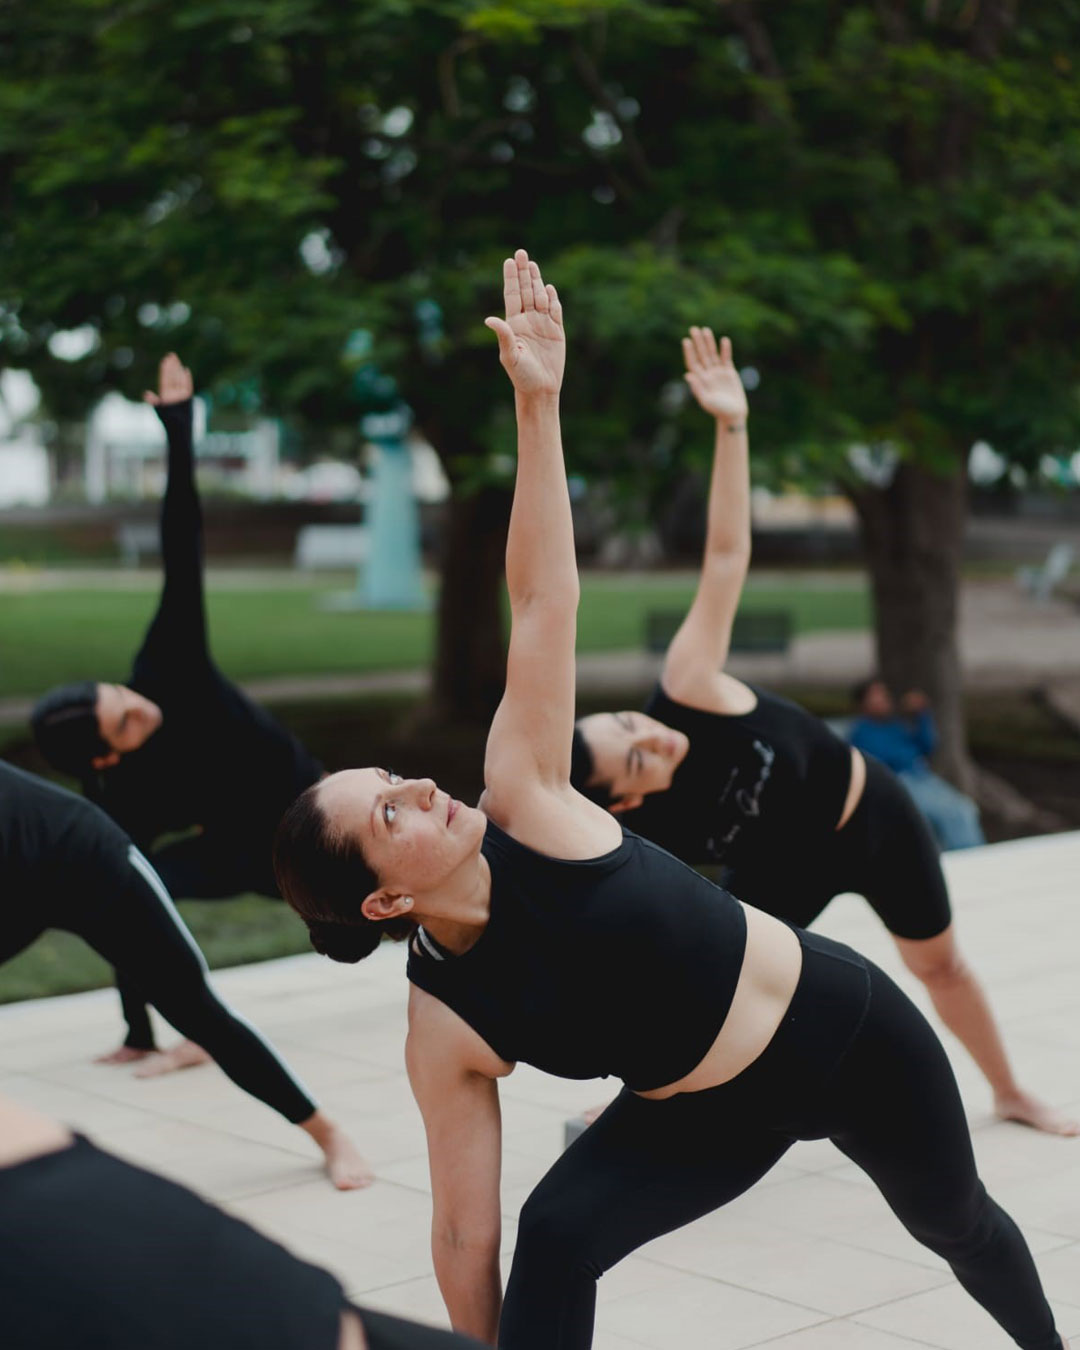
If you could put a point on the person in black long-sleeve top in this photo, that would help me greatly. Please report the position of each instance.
(179, 747)
(65, 865)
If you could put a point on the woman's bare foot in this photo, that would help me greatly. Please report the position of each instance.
(186, 1055)
(1028, 1110)
(126, 1054)
(345, 1166)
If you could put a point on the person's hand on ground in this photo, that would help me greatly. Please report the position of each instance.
(186, 1055)
(126, 1054)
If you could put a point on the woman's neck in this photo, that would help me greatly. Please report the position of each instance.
(457, 915)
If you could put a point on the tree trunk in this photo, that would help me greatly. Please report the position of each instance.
(470, 662)
(913, 532)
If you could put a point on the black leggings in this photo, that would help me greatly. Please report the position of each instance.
(200, 867)
(885, 852)
(854, 1061)
(123, 911)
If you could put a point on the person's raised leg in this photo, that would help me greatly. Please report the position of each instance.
(899, 1117)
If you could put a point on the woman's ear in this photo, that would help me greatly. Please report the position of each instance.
(631, 802)
(386, 904)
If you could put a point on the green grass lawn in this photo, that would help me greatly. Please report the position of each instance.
(53, 636)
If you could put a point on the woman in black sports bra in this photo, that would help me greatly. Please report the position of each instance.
(540, 930)
(719, 772)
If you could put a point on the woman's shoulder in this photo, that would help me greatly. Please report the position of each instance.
(548, 826)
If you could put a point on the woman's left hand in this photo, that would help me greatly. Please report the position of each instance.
(712, 376)
(532, 343)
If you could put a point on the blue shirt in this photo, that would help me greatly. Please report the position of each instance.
(902, 743)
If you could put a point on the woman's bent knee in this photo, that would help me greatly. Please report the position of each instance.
(558, 1235)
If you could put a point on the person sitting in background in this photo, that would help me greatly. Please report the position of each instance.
(904, 740)
(100, 1253)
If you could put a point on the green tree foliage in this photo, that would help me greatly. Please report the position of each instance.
(879, 201)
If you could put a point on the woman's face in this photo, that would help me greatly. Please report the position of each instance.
(633, 754)
(413, 836)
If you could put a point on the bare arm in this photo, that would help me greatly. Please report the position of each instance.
(699, 649)
(527, 764)
(531, 731)
(452, 1073)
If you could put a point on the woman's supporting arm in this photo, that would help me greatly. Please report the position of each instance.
(459, 1101)
(699, 649)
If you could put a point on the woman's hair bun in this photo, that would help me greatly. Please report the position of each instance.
(344, 941)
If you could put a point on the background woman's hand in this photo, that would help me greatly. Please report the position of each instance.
(174, 382)
(712, 376)
(532, 344)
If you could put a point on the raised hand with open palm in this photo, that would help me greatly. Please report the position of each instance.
(712, 376)
(532, 344)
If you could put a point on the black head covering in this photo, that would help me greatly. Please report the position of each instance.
(65, 726)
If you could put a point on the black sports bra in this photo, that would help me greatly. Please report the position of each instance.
(624, 964)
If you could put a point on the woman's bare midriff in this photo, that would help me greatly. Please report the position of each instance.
(855, 788)
(772, 963)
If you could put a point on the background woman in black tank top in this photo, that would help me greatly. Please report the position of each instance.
(539, 930)
(718, 772)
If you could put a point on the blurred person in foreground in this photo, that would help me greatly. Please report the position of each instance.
(98, 1253)
(904, 739)
(178, 749)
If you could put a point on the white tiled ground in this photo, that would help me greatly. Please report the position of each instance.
(809, 1260)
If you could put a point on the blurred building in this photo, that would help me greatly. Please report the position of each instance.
(24, 469)
(125, 454)
(24, 459)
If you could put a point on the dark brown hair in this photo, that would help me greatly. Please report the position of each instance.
(583, 769)
(325, 877)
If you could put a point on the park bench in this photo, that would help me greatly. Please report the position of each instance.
(765, 630)
(1042, 582)
(330, 547)
(134, 538)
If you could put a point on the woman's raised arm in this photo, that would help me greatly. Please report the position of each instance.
(530, 736)
(699, 649)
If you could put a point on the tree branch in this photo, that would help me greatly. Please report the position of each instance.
(590, 78)
(893, 20)
(756, 36)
